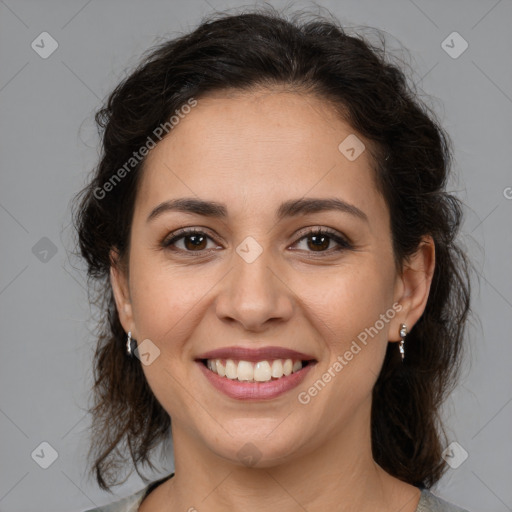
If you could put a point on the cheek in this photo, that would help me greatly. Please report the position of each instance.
(344, 311)
(167, 307)
(349, 300)
(163, 298)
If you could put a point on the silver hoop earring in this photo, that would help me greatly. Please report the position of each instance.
(403, 334)
(131, 344)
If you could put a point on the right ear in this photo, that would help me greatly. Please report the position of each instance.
(121, 290)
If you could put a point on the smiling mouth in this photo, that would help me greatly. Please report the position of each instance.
(260, 371)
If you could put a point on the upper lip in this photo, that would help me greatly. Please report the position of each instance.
(255, 354)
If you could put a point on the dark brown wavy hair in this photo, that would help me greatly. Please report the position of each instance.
(412, 158)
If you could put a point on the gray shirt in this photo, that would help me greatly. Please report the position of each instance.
(428, 502)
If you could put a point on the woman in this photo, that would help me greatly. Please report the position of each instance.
(280, 284)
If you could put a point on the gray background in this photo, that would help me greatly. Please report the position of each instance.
(48, 144)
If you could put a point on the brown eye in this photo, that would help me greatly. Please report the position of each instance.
(188, 241)
(319, 241)
(194, 242)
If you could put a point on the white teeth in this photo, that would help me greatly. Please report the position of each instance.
(231, 369)
(262, 371)
(245, 371)
(277, 369)
(221, 369)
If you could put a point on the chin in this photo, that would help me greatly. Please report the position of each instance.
(251, 445)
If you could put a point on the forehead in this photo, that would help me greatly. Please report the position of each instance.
(263, 145)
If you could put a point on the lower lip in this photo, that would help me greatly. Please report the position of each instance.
(255, 390)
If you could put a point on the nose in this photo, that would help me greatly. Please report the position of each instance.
(254, 295)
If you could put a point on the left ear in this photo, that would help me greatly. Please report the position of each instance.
(413, 286)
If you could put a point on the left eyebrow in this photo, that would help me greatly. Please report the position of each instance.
(305, 206)
(291, 208)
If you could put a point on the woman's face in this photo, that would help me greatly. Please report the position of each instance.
(257, 283)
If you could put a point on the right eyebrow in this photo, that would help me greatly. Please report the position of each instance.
(190, 205)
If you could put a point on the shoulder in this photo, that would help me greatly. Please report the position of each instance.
(431, 503)
(130, 503)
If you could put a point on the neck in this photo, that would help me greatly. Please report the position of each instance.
(338, 475)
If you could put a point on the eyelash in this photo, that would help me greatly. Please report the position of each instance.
(343, 243)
